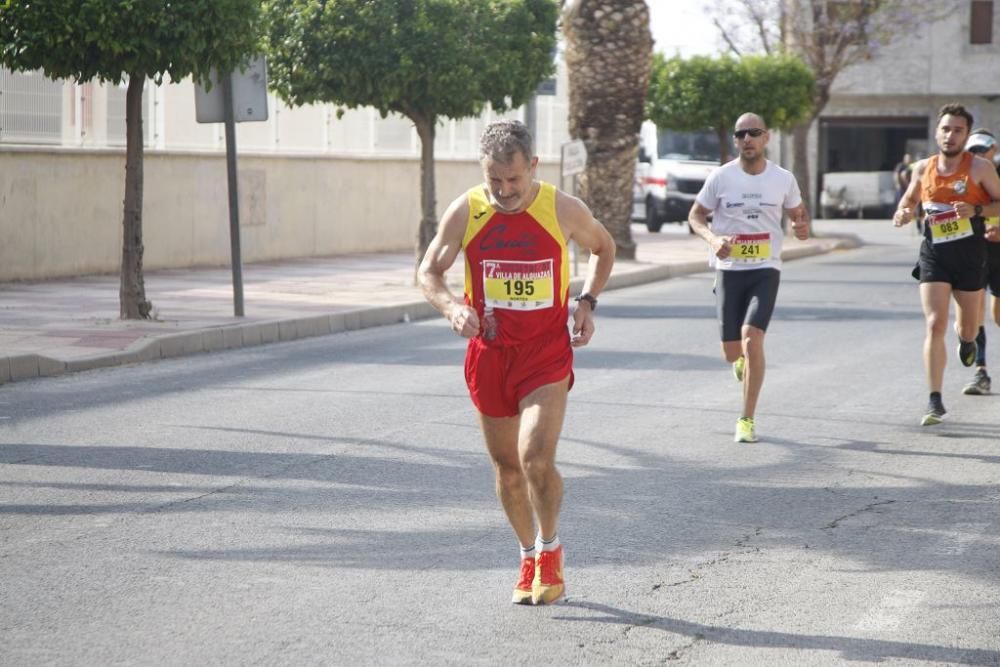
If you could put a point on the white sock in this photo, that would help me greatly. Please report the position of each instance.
(528, 552)
(551, 545)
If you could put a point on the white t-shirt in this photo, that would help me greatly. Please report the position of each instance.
(749, 207)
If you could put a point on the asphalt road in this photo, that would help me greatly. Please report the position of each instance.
(328, 501)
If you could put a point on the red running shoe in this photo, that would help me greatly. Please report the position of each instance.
(522, 591)
(548, 585)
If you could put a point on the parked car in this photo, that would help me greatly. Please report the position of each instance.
(671, 170)
(857, 194)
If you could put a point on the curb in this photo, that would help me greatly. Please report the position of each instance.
(228, 337)
(215, 339)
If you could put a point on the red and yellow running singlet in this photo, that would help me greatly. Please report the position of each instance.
(516, 265)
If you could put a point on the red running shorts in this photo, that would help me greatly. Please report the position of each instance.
(500, 377)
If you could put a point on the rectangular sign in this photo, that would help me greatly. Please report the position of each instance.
(574, 158)
(546, 87)
(249, 96)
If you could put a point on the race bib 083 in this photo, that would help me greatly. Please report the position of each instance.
(946, 226)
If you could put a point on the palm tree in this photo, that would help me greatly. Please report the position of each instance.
(608, 54)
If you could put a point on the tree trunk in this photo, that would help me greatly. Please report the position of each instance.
(132, 294)
(800, 160)
(725, 143)
(428, 197)
(608, 55)
(800, 145)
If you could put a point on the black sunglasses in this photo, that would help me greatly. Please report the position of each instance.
(754, 132)
(978, 150)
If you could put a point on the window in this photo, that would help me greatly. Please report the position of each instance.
(30, 108)
(981, 22)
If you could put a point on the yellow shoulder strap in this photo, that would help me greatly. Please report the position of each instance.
(480, 212)
(543, 210)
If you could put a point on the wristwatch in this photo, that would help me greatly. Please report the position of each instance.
(589, 299)
(978, 211)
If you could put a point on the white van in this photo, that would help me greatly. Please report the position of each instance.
(671, 169)
(857, 194)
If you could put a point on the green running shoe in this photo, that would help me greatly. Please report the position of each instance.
(745, 431)
(935, 413)
(967, 352)
(980, 384)
(738, 367)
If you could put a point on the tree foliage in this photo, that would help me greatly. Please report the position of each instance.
(432, 57)
(423, 59)
(828, 35)
(705, 92)
(129, 40)
(114, 40)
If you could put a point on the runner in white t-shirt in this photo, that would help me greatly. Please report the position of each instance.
(747, 199)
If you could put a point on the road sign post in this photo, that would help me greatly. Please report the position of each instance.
(572, 161)
(235, 97)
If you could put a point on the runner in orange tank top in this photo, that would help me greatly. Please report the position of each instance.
(957, 190)
(514, 232)
(982, 143)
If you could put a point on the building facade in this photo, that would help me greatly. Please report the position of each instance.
(312, 181)
(887, 106)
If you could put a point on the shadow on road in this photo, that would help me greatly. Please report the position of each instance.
(849, 648)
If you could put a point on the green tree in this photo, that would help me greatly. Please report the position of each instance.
(706, 92)
(129, 40)
(423, 59)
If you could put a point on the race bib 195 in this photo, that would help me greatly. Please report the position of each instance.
(517, 285)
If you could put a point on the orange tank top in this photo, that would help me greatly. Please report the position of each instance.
(938, 193)
(516, 268)
(959, 186)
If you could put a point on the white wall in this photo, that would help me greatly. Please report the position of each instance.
(61, 210)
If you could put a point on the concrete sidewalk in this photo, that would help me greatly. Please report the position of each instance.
(59, 326)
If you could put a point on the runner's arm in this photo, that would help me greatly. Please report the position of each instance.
(908, 203)
(799, 216)
(698, 219)
(991, 183)
(441, 254)
(578, 224)
(983, 173)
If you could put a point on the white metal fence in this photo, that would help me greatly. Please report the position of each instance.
(115, 115)
(31, 108)
(37, 110)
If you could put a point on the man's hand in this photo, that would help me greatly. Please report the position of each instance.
(583, 325)
(964, 209)
(902, 216)
(721, 246)
(993, 233)
(464, 321)
(800, 228)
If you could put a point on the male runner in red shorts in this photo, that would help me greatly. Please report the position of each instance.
(514, 232)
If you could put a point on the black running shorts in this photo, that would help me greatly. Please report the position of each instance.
(745, 297)
(961, 264)
(993, 268)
